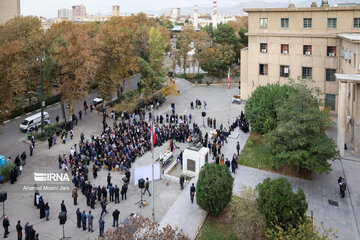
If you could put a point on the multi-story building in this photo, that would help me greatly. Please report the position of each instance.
(65, 13)
(79, 12)
(175, 13)
(115, 11)
(310, 42)
(9, 9)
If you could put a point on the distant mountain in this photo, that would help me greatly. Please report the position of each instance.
(238, 8)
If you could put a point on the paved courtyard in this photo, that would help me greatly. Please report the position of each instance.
(173, 206)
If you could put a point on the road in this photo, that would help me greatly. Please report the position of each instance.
(12, 140)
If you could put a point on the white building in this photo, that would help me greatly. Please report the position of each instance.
(195, 21)
(175, 13)
(115, 11)
(65, 13)
(214, 15)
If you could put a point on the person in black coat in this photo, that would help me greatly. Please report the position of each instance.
(117, 194)
(124, 189)
(233, 164)
(192, 193)
(182, 180)
(128, 174)
(42, 208)
(99, 193)
(63, 207)
(78, 218)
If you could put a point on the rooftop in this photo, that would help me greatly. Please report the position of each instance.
(348, 77)
(350, 36)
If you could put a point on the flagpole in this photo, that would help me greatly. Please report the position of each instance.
(229, 99)
(153, 162)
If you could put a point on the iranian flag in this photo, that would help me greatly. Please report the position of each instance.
(153, 138)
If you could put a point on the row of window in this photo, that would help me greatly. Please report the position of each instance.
(307, 23)
(307, 49)
(306, 72)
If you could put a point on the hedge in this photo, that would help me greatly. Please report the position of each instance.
(6, 170)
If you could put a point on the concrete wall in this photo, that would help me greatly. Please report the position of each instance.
(9, 9)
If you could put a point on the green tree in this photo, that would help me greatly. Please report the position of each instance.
(260, 109)
(304, 231)
(214, 188)
(157, 47)
(243, 37)
(224, 34)
(184, 40)
(279, 204)
(299, 138)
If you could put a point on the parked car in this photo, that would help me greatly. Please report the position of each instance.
(33, 122)
(97, 101)
(236, 99)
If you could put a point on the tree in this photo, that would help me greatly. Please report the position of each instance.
(140, 228)
(305, 231)
(279, 204)
(157, 47)
(249, 222)
(299, 138)
(119, 56)
(214, 188)
(260, 109)
(225, 36)
(243, 37)
(202, 44)
(77, 57)
(184, 40)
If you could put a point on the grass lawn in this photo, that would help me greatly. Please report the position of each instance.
(213, 230)
(255, 155)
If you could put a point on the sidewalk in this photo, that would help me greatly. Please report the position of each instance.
(184, 215)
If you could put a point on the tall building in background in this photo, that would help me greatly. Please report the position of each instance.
(79, 12)
(9, 9)
(195, 17)
(65, 13)
(115, 11)
(214, 14)
(175, 13)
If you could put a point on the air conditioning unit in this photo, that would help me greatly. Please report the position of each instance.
(285, 52)
(263, 50)
(348, 94)
(286, 70)
(331, 54)
(308, 53)
(348, 119)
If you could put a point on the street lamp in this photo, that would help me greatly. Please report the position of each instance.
(41, 94)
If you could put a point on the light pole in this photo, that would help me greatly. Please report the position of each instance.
(41, 95)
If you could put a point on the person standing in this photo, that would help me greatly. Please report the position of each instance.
(116, 214)
(26, 230)
(90, 218)
(6, 225)
(78, 218)
(124, 189)
(192, 193)
(234, 164)
(19, 229)
(182, 180)
(101, 226)
(23, 158)
(238, 148)
(83, 220)
(147, 184)
(57, 118)
(75, 195)
(111, 192)
(31, 148)
(117, 195)
(128, 174)
(108, 180)
(63, 207)
(47, 211)
(342, 184)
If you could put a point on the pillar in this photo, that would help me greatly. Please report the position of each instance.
(341, 118)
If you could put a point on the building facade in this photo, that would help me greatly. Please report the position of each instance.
(318, 42)
(79, 12)
(175, 13)
(115, 11)
(9, 9)
(65, 13)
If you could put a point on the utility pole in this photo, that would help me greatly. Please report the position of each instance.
(153, 160)
(42, 96)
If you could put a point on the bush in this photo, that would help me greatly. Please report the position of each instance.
(261, 107)
(279, 204)
(199, 76)
(183, 75)
(6, 170)
(214, 188)
(49, 130)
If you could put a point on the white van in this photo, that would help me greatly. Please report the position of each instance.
(34, 121)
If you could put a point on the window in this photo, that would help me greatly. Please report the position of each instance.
(356, 22)
(306, 72)
(263, 69)
(330, 75)
(284, 71)
(331, 51)
(307, 22)
(263, 22)
(263, 47)
(285, 23)
(285, 48)
(307, 50)
(331, 22)
(330, 101)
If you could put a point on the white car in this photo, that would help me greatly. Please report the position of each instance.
(97, 101)
(236, 99)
